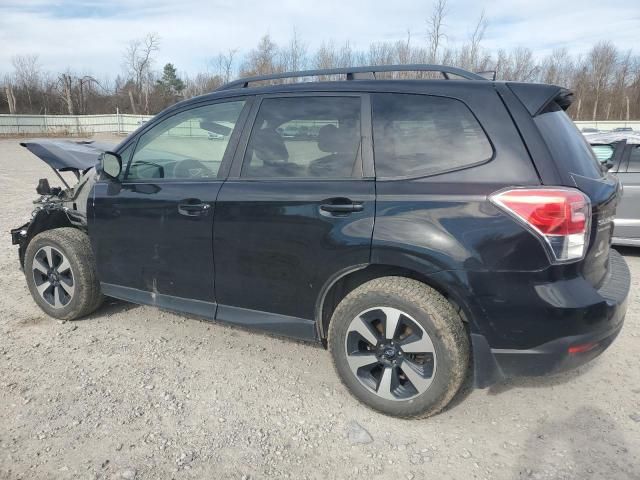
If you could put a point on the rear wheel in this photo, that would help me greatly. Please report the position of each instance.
(399, 347)
(61, 275)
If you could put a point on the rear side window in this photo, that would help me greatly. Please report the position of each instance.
(603, 152)
(304, 137)
(419, 135)
(568, 146)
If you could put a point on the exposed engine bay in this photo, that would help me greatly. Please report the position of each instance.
(70, 200)
(65, 205)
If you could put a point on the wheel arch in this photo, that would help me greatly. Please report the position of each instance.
(42, 221)
(347, 280)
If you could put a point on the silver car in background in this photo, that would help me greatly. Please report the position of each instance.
(620, 153)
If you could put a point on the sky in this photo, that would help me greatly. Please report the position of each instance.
(89, 36)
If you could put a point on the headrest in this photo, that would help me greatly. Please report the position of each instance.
(269, 146)
(332, 139)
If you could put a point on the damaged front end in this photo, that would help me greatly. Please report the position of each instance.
(64, 206)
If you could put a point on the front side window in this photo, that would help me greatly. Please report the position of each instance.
(304, 137)
(419, 135)
(125, 156)
(188, 145)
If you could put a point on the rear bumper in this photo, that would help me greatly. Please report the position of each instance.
(606, 316)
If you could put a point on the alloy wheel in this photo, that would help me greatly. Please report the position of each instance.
(53, 277)
(390, 353)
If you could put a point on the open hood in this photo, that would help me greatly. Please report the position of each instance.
(67, 155)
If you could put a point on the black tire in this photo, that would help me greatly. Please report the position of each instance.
(74, 246)
(423, 305)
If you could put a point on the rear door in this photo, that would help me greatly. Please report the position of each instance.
(152, 231)
(627, 222)
(297, 209)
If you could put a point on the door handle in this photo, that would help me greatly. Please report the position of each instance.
(341, 207)
(192, 207)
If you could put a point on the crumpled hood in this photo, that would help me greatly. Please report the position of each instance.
(67, 155)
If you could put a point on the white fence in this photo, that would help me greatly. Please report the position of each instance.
(79, 125)
(87, 125)
(609, 125)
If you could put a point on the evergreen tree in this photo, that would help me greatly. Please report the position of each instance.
(170, 82)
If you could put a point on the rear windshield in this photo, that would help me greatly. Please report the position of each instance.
(568, 146)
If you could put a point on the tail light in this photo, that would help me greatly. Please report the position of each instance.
(561, 217)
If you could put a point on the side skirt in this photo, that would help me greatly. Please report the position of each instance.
(282, 325)
(176, 304)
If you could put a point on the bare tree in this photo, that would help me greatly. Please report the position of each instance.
(476, 40)
(66, 87)
(620, 98)
(471, 56)
(294, 56)
(380, 54)
(606, 84)
(326, 56)
(138, 62)
(11, 97)
(404, 51)
(223, 64)
(435, 29)
(202, 83)
(602, 59)
(85, 86)
(27, 75)
(557, 68)
(263, 59)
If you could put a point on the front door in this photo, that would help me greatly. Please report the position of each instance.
(152, 231)
(296, 211)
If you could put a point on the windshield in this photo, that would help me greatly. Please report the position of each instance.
(567, 145)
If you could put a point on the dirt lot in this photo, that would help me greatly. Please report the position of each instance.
(134, 392)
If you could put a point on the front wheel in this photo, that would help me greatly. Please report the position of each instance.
(61, 275)
(399, 347)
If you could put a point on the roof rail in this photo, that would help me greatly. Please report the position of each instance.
(357, 73)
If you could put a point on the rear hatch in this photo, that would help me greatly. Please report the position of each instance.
(579, 168)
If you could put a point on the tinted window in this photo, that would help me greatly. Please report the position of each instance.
(190, 144)
(304, 137)
(603, 152)
(634, 159)
(418, 135)
(568, 146)
(125, 156)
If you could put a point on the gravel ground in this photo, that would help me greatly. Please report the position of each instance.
(135, 392)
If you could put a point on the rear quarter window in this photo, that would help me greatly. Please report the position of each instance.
(569, 148)
(421, 135)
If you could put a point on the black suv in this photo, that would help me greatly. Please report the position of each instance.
(422, 229)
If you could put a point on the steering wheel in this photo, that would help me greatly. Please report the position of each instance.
(192, 169)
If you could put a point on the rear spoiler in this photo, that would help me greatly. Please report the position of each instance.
(540, 98)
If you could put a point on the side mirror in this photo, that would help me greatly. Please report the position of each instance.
(111, 165)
